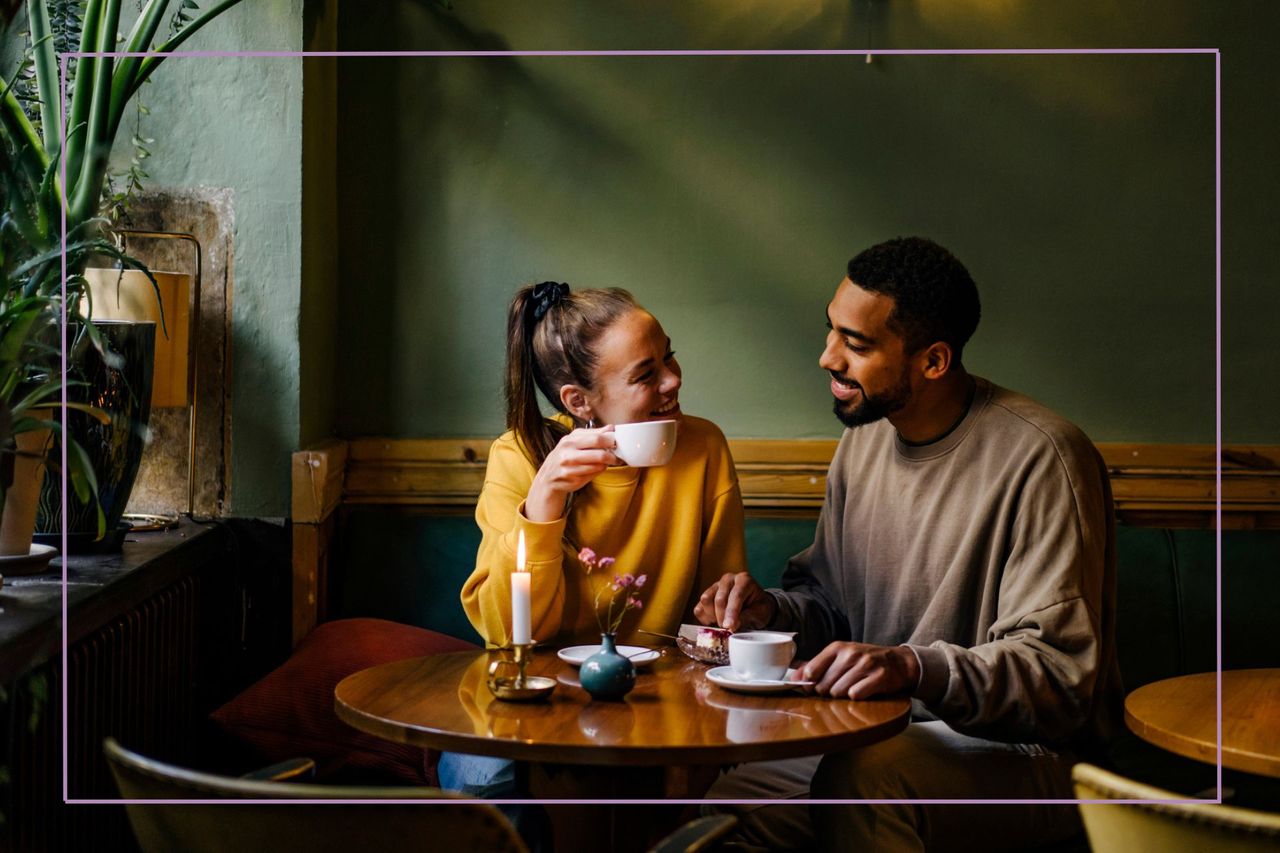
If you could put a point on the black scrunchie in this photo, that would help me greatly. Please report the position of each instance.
(545, 295)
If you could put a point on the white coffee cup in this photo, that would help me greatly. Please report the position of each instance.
(761, 655)
(645, 443)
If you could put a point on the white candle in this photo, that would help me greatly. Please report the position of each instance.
(520, 588)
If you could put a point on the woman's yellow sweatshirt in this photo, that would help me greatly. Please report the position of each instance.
(679, 523)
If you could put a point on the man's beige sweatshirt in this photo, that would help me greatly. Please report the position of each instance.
(990, 553)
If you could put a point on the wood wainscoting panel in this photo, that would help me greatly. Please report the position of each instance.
(424, 472)
(780, 477)
(310, 587)
(1152, 483)
(317, 475)
(1175, 485)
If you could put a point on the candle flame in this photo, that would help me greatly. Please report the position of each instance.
(520, 552)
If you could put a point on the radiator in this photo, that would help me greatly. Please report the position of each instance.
(132, 680)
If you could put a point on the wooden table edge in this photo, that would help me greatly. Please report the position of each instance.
(1233, 757)
(595, 754)
(625, 756)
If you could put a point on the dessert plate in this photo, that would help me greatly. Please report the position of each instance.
(640, 656)
(687, 642)
(724, 676)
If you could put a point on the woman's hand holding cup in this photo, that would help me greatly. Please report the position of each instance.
(577, 459)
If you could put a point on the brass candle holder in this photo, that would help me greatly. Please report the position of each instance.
(519, 687)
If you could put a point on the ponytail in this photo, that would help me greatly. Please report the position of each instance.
(536, 435)
(551, 337)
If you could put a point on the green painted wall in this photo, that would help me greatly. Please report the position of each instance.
(729, 192)
(237, 122)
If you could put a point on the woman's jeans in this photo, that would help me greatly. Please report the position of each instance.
(495, 779)
(477, 775)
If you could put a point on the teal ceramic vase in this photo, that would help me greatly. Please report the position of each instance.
(607, 674)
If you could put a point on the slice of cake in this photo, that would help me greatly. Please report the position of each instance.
(714, 641)
(703, 644)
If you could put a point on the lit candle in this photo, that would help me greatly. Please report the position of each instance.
(520, 597)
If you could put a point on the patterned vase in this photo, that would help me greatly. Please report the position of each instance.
(607, 674)
(123, 390)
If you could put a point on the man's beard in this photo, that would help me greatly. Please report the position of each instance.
(874, 407)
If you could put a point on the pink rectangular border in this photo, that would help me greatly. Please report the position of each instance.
(65, 57)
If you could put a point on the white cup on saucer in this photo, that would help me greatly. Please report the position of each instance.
(761, 655)
(645, 443)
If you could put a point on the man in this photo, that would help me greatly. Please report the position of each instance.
(964, 555)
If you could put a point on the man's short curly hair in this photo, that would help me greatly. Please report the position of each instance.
(934, 297)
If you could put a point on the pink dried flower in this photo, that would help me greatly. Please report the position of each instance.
(609, 617)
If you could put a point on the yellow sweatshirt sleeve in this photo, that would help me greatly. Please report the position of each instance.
(486, 595)
(724, 548)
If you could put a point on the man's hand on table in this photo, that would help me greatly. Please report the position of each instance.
(861, 670)
(736, 602)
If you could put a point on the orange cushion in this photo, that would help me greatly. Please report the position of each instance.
(289, 713)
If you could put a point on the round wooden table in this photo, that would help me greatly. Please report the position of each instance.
(1181, 715)
(665, 740)
(673, 716)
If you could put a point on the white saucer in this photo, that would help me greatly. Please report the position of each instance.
(724, 676)
(640, 656)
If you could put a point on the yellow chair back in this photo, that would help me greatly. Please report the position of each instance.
(1165, 828)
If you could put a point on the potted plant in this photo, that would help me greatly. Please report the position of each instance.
(99, 89)
(30, 378)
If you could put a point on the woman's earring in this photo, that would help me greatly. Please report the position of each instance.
(591, 423)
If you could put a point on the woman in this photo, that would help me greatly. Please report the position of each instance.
(599, 359)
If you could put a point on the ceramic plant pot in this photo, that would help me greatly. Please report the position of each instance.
(22, 471)
(607, 674)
